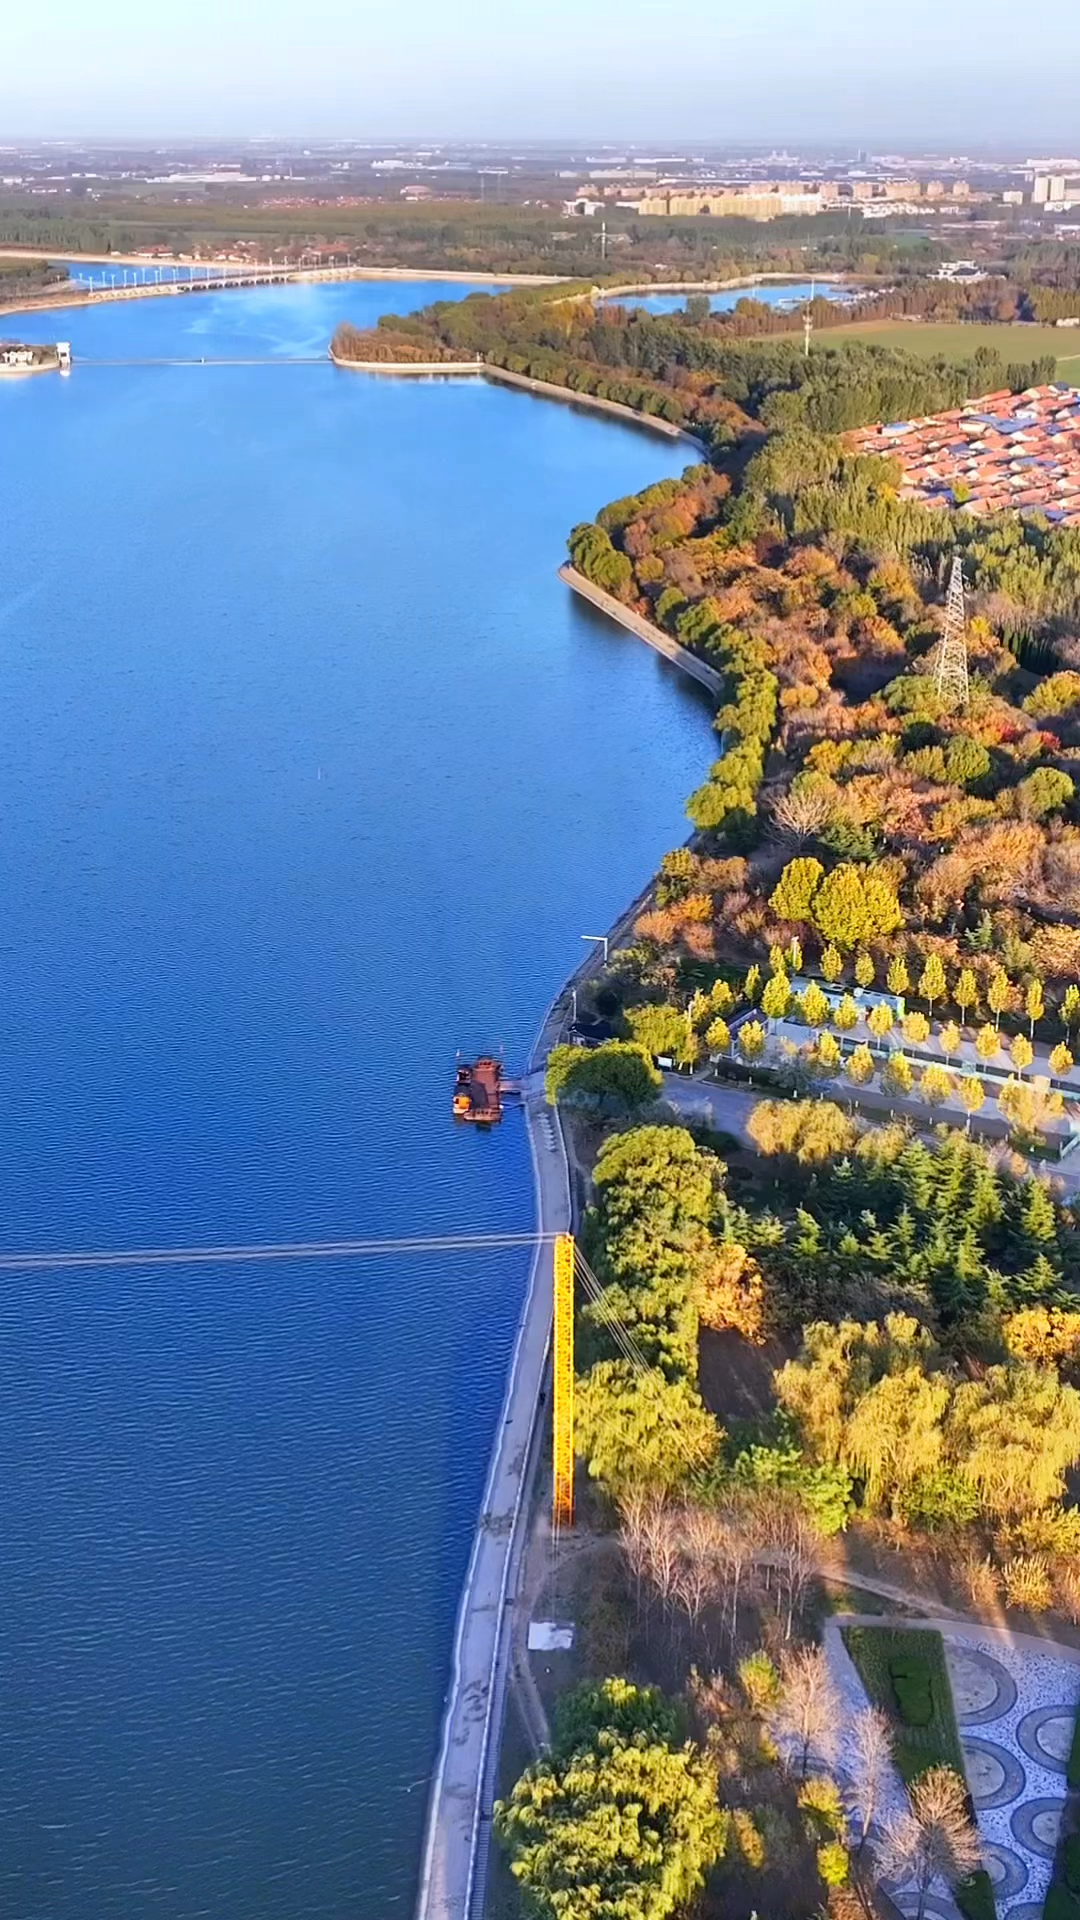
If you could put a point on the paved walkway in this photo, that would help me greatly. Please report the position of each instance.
(463, 1789)
(1016, 1699)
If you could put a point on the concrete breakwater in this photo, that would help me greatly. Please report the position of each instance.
(485, 369)
(643, 629)
(405, 369)
(598, 404)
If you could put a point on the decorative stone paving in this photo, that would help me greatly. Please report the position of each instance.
(1030, 1722)
(982, 1689)
(1008, 1869)
(1026, 1699)
(938, 1904)
(1036, 1826)
(994, 1777)
(1046, 1736)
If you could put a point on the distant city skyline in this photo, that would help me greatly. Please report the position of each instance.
(947, 73)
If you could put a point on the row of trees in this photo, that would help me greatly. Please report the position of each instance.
(641, 1421)
(688, 369)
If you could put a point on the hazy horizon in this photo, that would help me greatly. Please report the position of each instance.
(944, 75)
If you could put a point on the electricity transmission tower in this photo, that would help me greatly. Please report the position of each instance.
(951, 664)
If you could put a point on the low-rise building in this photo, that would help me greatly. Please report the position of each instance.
(1007, 450)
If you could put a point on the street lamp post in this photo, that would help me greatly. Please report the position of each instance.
(601, 940)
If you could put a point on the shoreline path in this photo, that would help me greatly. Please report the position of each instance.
(458, 1832)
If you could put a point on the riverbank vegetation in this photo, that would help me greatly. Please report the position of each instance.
(917, 855)
(690, 369)
(879, 1304)
(20, 279)
(894, 1320)
(918, 1307)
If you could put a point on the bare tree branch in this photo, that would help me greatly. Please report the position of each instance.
(933, 1838)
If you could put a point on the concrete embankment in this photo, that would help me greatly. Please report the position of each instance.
(463, 1786)
(459, 1821)
(21, 373)
(545, 388)
(403, 369)
(743, 281)
(458, 1835)
(594, 401)
(653, 636)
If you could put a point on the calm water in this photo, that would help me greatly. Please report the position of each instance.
(792, 293)
(310, 772)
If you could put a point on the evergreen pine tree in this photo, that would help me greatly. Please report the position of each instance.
(1041, 1281)
(916, 1171)
(1038, 1215)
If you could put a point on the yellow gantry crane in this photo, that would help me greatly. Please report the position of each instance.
(562, 1422)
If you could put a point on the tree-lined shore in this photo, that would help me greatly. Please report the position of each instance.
(895, 1317)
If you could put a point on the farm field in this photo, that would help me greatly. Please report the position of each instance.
(960, 341)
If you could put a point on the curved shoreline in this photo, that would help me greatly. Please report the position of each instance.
(647, 287)
(458, 1825)
(486, 370)
(642, 629)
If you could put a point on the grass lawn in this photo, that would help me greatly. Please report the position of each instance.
(915, 1747)
(959, 342)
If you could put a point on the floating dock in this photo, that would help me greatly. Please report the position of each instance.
(478, 1090)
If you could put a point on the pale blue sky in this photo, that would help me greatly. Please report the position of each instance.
(946, 71)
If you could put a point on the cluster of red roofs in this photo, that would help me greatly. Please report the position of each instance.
(1007, 450)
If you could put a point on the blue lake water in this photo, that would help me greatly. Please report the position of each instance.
(793, 293)
(311, 772)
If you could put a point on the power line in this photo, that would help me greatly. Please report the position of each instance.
(262, 1250)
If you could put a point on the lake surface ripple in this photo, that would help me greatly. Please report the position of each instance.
(311, 772)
